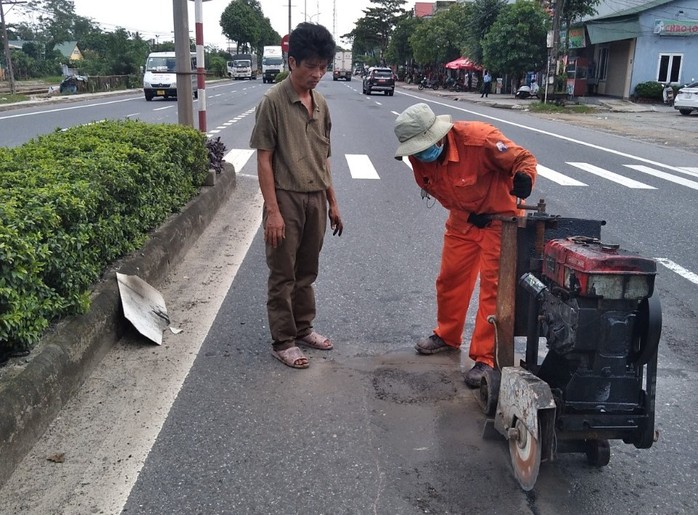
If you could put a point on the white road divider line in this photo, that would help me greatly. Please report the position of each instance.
(666, 176)
(360, 167)
(557, 177)
(614, 177)
(686, 274)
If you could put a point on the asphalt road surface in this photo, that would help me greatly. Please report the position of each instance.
(211, 423)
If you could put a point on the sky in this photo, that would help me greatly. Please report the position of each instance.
(154, 17)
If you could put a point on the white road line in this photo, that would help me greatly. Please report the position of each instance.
(59, 109)
(557, 177)
(666, 176)
(132, 114)
(162, 108)
(360, 167)
(406, 160)
(624, 181)
(689, 170)
(213, 132)
(238, 157)
(686, 274)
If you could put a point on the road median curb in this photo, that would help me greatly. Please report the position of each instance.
(33, 390)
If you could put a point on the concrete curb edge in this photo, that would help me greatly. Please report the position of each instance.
(32, 397)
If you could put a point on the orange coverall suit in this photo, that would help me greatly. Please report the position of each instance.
(475, 176)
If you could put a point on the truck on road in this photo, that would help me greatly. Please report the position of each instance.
(243, 66)
(341, 66)
(272, 63)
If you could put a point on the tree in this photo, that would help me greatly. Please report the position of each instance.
(57, 21)
(373, 32)
(243, 22)
(516, 42)
(483, 15)
(441, 38)
(399, 50)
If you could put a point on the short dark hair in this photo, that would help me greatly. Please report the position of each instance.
(311, 40)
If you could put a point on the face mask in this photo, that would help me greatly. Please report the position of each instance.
(430, 154)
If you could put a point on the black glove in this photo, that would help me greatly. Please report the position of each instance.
(480, 221)
(522, 185)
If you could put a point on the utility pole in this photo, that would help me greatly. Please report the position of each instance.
(185, 107)
(557, 6)
(6, 44)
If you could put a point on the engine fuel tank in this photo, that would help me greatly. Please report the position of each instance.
(587, 267)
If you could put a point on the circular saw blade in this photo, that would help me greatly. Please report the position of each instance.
(525, 452)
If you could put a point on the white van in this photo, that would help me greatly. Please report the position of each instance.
(160, 79)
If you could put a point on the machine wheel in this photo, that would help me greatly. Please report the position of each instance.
(420, 87)
(598, 452)
(149, 96)
(489, 391)
(525, 452)
(685, 112)
(391, 93)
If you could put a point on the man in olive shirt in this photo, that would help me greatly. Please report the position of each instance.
(292, 138)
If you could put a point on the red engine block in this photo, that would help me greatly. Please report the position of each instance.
(589, 268)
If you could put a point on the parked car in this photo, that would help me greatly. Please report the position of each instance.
(379, 79)
(687, 99)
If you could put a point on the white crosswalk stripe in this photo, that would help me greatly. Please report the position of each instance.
(238, 157)
(666, 176)
(557, 177)
(360, 167)
(689, 170)
(630, 183)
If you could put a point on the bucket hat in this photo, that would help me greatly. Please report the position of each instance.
(417, 128)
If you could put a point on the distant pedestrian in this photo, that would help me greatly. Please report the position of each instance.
(486, 84)
(292, 138)
(470, 81)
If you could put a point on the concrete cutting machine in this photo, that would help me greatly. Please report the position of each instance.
(592, 325)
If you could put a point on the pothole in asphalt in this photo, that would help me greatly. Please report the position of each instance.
(404, 387)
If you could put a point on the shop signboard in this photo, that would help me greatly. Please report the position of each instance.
(676, 27)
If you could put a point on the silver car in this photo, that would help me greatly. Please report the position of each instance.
(687, 99)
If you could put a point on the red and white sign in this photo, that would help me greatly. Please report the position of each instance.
(284, 44)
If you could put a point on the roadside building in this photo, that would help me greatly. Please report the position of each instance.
(69, 50)
(633, 42)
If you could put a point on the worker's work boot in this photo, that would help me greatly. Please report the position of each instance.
(475, 374)
(432, 345)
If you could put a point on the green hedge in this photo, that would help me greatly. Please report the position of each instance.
(73, 202)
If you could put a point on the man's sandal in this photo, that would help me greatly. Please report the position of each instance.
(291, 357)
(315, 341)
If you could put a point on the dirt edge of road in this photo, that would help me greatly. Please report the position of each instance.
(33, 389)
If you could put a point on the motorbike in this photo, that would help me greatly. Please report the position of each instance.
(424, 83)
(668, 94)
(528, 91)
(454, 85)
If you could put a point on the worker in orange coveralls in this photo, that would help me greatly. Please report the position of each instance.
(474, 171)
